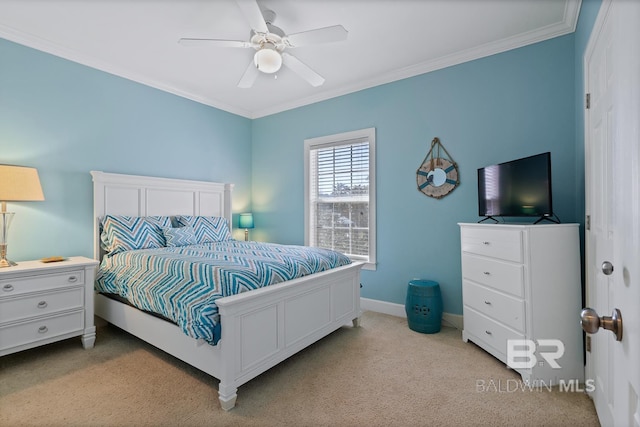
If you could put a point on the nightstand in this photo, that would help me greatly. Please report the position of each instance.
(45, 302)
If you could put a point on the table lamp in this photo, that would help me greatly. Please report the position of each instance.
(246, 222)
(17, 184)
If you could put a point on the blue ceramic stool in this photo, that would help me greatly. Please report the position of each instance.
(424, 306)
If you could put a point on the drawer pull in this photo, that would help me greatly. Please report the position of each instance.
(486, 243)
(487, 273)
(42, 304)
(73, 279)
(488, 302)
(488, 332)
(7, 288)
(42, 329)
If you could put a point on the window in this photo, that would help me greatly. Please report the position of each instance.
(340, 193)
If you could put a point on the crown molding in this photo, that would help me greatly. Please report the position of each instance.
(566, 26)
(38, 43)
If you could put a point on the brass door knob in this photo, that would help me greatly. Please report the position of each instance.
(591, 322)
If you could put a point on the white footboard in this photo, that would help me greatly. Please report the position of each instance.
(261, 328)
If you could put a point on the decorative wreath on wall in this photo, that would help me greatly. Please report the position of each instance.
(437, 176)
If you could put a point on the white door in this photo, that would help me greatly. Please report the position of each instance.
(612, 156)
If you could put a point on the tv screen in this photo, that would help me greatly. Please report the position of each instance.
(520, 187)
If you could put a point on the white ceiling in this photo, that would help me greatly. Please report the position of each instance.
(388, 40)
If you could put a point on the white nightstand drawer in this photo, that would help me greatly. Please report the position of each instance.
(501, 307)
(498, 243)
(504, 276)
(41, 282)
(12, 309)
(488, 331)
(18, 334)
(45, 302)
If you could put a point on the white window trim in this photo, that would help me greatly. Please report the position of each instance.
(340, 139)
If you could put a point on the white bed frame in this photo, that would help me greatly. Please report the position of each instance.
(260, 328)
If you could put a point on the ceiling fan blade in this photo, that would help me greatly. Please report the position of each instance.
(302, 69)
(335, 33)
(249, 76)
(253, 15)
(214, 42)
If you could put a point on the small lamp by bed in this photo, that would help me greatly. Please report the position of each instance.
(17, 184)
(246, 221)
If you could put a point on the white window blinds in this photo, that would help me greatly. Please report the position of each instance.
(339, 214)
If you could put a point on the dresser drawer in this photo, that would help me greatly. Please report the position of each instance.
(35, 330)
(501, 307)
(488, 331)
(42, 282)
(504, 276)
(43, 303)
(494, 242)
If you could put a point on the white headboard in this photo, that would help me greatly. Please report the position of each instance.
(133, 195)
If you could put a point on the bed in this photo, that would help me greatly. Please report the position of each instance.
(257, 329)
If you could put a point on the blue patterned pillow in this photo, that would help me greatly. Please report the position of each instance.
(206, 228)
(181, 236)
(124, 233)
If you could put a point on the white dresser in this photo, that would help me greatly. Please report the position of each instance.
(45, 302)
(522, 282)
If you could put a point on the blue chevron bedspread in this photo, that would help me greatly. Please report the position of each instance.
(183, 283)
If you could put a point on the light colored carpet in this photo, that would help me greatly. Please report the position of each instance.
(380, 374)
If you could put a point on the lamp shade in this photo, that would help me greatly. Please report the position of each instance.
(246, 220)
(19, 184)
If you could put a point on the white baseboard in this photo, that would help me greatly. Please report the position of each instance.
(448, 319)
(453, 320)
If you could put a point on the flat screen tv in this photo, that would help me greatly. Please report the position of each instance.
(518, 188)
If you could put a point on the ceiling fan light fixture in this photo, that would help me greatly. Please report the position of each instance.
(268, 59)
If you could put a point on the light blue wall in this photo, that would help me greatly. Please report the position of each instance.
(495, 109)
(67, 119)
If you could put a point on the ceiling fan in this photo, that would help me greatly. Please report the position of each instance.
(270, 43)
